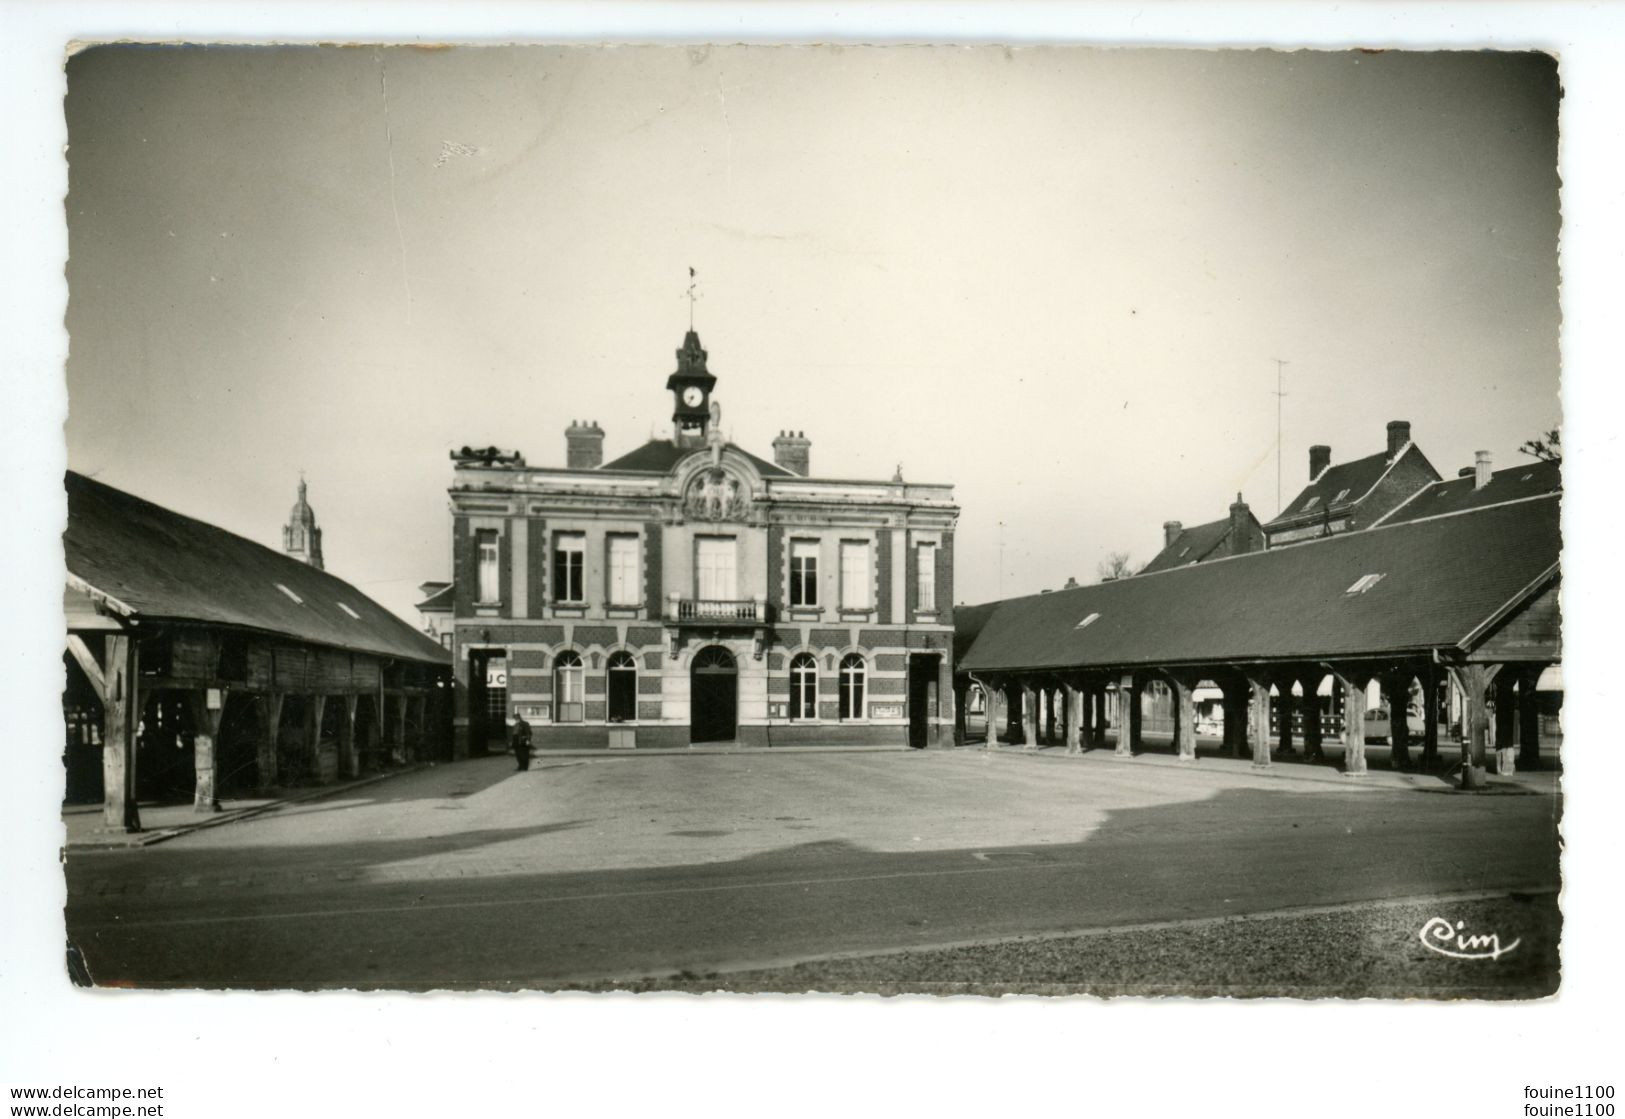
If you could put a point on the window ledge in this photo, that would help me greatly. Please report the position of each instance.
(624, 611)
(855, 614)
(806, 613)
(570, 610)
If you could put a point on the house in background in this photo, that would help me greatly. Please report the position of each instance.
(434, 612)
(1235, 535)
(1352, 495)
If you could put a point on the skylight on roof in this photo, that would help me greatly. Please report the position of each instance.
(1341, 494)
(1364, 583)
(1443, 493)
(1183, 552)
(290, 594)
(1311, 503)
(1526, 477)
(350, 612)
(1086, 621)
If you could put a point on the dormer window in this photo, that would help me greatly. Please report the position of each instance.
(1086, 621)
(1364, 583)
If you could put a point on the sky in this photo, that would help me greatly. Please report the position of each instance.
(1058, 278)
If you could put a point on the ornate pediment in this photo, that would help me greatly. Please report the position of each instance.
(714, 494)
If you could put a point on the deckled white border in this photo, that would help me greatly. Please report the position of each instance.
(259, 1055)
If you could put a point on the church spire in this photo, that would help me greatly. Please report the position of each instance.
(301, 539)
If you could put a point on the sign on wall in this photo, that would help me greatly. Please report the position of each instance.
(496, 674)
(885, 711)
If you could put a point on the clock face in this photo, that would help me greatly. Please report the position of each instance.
(693, 395)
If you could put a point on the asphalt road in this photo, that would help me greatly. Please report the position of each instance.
(469, 875)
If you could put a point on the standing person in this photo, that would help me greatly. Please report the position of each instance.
(519, 739)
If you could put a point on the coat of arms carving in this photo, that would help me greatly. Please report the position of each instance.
(715, 495)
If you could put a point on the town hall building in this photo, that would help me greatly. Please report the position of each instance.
(690, 592)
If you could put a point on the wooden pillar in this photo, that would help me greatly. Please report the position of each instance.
(349, 756)
(1128, 716)
(1430, 716)
(313, 742)
(1074, 719)
(961, 694)
(1473, 681)
(1353, 720)
(1184, 717)
(121, 711)
(398, 738)
(1260, 729)
(1529, 719)
(990, 733)
(1396, 691)
(1313, 729)
(420, 738)
(206, 719)
(1286, 707)
(265, 759)
(1097, 732)
(1506, 722)
(1029, 715)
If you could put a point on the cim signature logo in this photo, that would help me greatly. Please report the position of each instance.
(1447, 939)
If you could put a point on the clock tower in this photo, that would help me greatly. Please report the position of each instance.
(691, 388)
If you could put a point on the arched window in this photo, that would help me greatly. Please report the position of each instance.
(851, 686)
(623, 687)
(568, 703)
(804, 687)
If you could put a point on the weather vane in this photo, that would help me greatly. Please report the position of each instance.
(693, 295)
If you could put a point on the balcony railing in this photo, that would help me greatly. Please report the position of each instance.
(717, 611)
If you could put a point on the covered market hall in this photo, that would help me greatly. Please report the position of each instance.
(200, 662)
(1458, 611)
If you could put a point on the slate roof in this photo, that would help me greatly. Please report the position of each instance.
(968, 623)
(1442, 579)
(443, 599)
(164, 566)
(1192, 545)
(1357, 477)
(1456, 495)
(658, 456)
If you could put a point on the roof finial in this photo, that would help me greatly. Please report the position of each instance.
(693, 295)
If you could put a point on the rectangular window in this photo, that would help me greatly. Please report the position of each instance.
(925, 557)
(624, 588)
(856, 578)
(804, 573)
(715, 575)
(569, 567)
(489, 583)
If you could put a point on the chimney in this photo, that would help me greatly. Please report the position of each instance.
(584, 445)
(1241, 528)
(793, 451)
(1170, 533)
(1399, 434)
(1320, 457)
(1481, 469)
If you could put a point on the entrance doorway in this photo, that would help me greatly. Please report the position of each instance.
(713, 696)
(922, 697)
(488, 700)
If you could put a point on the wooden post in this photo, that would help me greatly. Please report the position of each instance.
(398, 739)
(1473, 681)
(1184, 717)
(206, 721)
(1353, 720)
(349, 756)
(990, 733)
(961, 693)
(1529, 719)
(1286, 708)
(1073, 699)
(1261, 721)
(265, 761)
(1029, 715)
(1506, 722)
(420, 737)
(1313, 729)
(1430, 716)
(121, 709)
(1128, 716)
(1396, 691)
(313, 743)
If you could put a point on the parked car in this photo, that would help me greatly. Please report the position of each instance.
(1378, 727)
